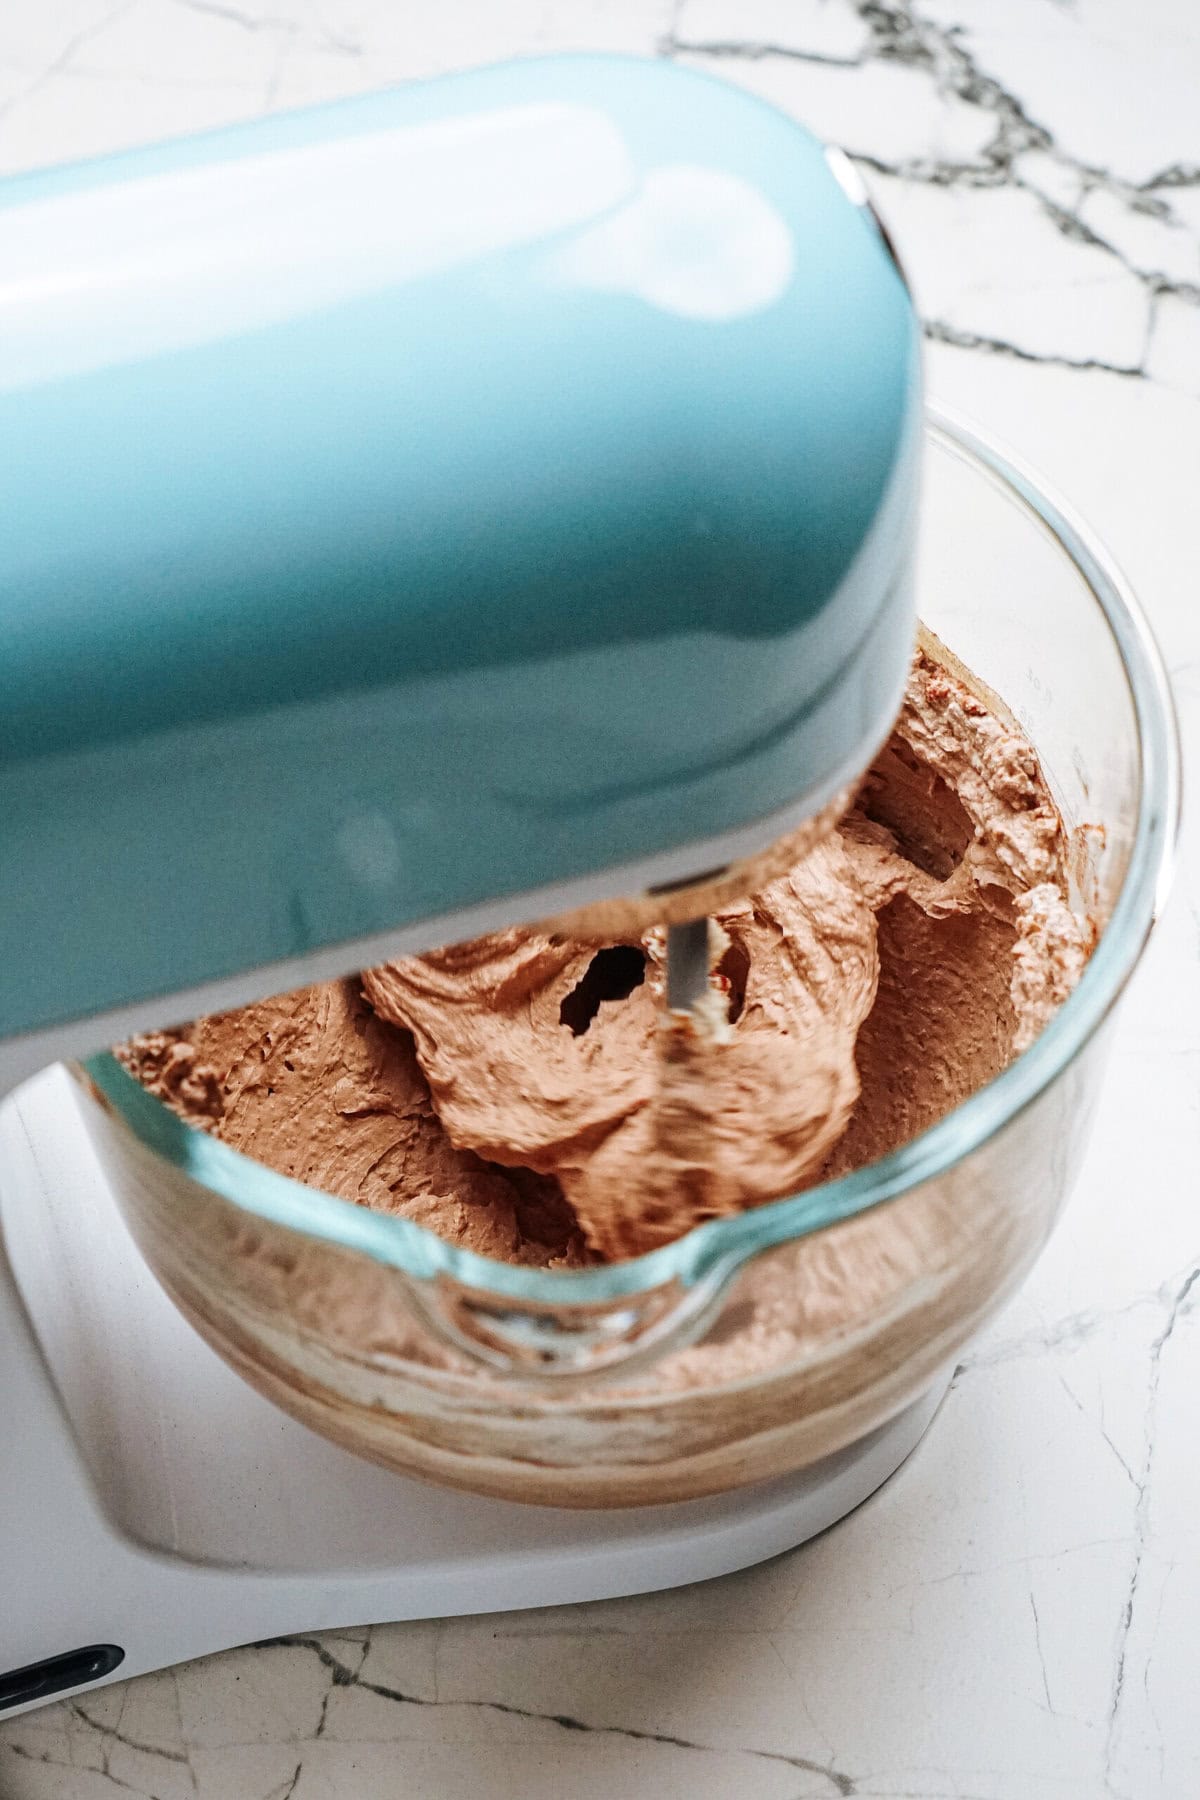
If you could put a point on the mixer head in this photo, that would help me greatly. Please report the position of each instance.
(465, 504)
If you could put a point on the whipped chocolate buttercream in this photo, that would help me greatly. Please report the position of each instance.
(654, 1121)
(529, 1095)
(317, 1087)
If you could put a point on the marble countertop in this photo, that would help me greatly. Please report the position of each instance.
(1014, 1616)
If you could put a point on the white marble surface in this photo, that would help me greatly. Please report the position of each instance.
(1014, 1618)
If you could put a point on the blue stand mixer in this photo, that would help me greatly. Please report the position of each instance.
(473, 503)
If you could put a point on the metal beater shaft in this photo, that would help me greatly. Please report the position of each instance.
(687, 964)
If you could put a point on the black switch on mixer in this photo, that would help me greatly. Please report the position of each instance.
(37, 1681)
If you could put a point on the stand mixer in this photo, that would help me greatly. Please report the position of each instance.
(484, 502)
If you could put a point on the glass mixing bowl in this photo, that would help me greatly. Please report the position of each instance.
(719, 1360)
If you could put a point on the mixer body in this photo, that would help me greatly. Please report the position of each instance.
(442, 508)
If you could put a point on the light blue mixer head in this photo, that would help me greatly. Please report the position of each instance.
(434, 509)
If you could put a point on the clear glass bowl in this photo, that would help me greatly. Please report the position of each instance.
(718, 1360)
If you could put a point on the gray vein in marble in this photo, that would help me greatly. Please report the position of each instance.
(343, 1676)
(752, 49)
(920, 1794)
(898, 33)
(108, 1732)
(118, 1736)
(1066, 1333)
(289, 29)
(1082, 1410)
(282, 56)
(959, 1793)
(248, 21)
(1141, 1525)
(66, 55)
(939, 332)
(987, 1570)
(1178, 175)
(34, 1756)
(1041, 1654)
(112, 1735)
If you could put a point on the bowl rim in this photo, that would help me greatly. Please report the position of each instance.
(707, 1257)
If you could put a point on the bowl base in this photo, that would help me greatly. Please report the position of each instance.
(160, 1505)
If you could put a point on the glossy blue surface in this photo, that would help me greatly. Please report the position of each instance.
(426, 498)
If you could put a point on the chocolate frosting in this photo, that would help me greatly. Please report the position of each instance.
(529, 1094)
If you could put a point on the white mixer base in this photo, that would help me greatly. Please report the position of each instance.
(152, 1502)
